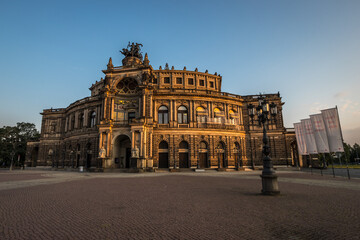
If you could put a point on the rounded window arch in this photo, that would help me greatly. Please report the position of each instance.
(184, 145)
(163, 115)
(182, 115)
(221, 145)
(163, 145)
(200, 109)
(201, 114)
(128, 85)
(217, 110)
(203, 145)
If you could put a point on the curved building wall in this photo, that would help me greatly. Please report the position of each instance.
(138, 117)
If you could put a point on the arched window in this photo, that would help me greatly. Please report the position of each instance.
(81, 120)
(218, 115)
(163, 145)
(232, 119)
(163, 115)
(203, 145)
(128, 86)
(183, 145)
(217, 110)
(92, 119)
(182, 115)
(201, 114)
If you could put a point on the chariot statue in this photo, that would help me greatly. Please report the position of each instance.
(132, 50)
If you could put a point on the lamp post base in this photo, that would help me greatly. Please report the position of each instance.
(269, 185)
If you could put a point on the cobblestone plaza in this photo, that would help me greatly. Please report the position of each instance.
(186, 205)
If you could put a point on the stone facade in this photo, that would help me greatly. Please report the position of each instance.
(138, 117)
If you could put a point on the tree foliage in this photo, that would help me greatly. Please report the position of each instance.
(13, 142)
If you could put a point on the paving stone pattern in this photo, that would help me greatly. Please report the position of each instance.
(178, 206)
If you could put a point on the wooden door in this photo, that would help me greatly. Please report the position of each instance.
(183, 160)
(203, 160)
(163, 160)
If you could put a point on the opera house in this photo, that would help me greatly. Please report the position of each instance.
(142, 119)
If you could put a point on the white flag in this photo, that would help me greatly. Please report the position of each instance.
(320, 135)
(333, 130)
(299, 133)
(309, 136)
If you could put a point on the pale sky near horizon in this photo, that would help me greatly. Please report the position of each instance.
(52, 51)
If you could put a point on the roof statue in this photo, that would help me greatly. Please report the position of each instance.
(132, 50)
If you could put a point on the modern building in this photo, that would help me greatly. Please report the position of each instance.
(141, 118)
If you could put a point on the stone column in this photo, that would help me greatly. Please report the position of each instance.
(151, 150)
(108, 147)
(132, 139)
(175, 112)
(151, 106)
(112, 109)
(76, 120)
(66, 124)
(155, 112)
(141, 143)
(145, 143)
(171, 111)
(143, 105)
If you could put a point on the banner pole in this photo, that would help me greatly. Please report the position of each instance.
(342, 139)
(347, 166)
(332, 164)
(319, 155)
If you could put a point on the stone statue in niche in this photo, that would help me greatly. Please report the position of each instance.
(135, 152)
(102, 153)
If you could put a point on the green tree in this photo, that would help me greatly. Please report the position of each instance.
(13, 142)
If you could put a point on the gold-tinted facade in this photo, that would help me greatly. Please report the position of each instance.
(141, 118)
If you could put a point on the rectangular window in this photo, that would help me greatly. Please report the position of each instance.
(163, 118)
(211, 84)
(202, 82)
(160, 118)
(180, 118)
(178, 80)
(166, 80)
(131, 115)
(190, 81)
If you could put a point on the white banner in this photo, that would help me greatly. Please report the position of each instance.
(333, 130)
(320, 135)
(309, 136)
(299, 133)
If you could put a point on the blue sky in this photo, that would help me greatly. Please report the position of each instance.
(52, 51)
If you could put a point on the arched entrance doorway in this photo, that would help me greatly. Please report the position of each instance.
(183, 154)
(220, 149)
(203, 155)
(122, 151)
(163, 155)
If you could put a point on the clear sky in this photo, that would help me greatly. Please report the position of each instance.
(52, 51)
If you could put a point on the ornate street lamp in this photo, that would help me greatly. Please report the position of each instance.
(269, 178)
